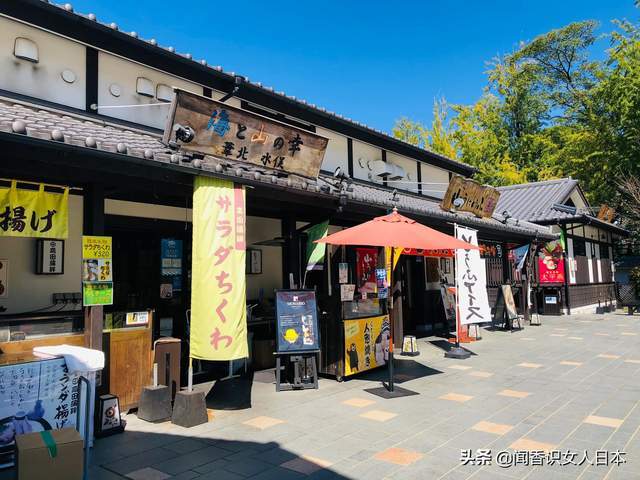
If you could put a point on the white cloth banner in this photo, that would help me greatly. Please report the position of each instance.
(471, 280)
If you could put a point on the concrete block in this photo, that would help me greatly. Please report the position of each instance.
(155, 404)
(189, 409)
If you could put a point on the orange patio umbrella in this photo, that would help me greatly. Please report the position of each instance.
(398, 231)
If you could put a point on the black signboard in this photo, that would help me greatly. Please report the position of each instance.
(297, 321)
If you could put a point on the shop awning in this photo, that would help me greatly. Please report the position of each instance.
(395, 230)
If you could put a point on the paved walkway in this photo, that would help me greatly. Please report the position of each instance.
(570, 385)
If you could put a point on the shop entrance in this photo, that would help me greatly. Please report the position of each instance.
(422, 309)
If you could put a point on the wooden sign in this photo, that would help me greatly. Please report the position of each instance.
(233, 134)
(481, 200)
(606, 213)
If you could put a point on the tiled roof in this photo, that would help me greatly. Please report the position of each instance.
(535, 201)
(36, 121)
(154, 43)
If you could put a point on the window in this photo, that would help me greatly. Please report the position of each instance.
(604, 250)
(579, 247)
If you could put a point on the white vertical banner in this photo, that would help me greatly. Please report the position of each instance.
(471, 280)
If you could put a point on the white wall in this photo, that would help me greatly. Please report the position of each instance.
(114, 70)
(410, 167)
(43, 79)
(336, 154)
(28, 291)
(271, 277)
(437, 177)
(363, 153)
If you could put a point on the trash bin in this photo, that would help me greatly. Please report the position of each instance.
(166, 353)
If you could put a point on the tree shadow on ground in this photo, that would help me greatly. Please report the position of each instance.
(137, 454)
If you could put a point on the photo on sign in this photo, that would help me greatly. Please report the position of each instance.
(343, 272)
(366, 343)
(90, 270)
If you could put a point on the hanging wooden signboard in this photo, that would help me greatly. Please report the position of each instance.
(606, 213)
(237, 135)
(481, 200)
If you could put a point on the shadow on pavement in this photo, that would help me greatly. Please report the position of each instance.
(231, 393)
(445, 346)
(405, 370)
(147, 455)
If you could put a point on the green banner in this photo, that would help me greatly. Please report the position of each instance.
(100, 293)
(315, 251)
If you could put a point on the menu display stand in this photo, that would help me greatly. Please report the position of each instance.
(297, 341)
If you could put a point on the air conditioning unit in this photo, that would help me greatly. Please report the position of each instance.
(397, 172)
(381, 169)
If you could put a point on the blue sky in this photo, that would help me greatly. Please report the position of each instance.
(374, 61)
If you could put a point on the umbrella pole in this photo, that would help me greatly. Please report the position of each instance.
(391, 322)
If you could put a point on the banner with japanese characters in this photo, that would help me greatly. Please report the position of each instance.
(471, 279)
(34, 397)
(33, 213)
(218, 290)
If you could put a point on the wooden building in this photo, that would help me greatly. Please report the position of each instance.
(68, 81)
(588, 270)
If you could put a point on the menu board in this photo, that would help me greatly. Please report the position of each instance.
(297, 321)
(34, 397)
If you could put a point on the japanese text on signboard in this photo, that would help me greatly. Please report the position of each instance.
(471, 278)
(241, 136)
(33, 213)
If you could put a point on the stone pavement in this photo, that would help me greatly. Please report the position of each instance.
(552, 393)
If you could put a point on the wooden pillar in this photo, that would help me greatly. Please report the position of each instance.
(565, 252)
(93, 224)
(290, 252)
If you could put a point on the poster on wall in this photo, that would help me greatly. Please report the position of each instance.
(448, 302)
(33, 213)
(297, 321)
(35, 397)
(471, 279)
(343, 272)
(551, 263)
(347, 291)
(97, 271)
(171, 263)
(366, 343)
(366, 263)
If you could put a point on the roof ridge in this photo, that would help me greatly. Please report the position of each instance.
(539, 183)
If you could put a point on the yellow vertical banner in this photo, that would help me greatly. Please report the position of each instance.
(387, 259)
(218, 290)
(33, 213)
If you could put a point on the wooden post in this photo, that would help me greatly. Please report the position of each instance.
(93, 224)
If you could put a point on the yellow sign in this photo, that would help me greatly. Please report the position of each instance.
(466, 195)
(218, 290)
(33, 213)
(397, 251)
(96, 247)
(366, 344)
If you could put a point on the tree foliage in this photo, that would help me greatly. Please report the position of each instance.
(549, 111)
